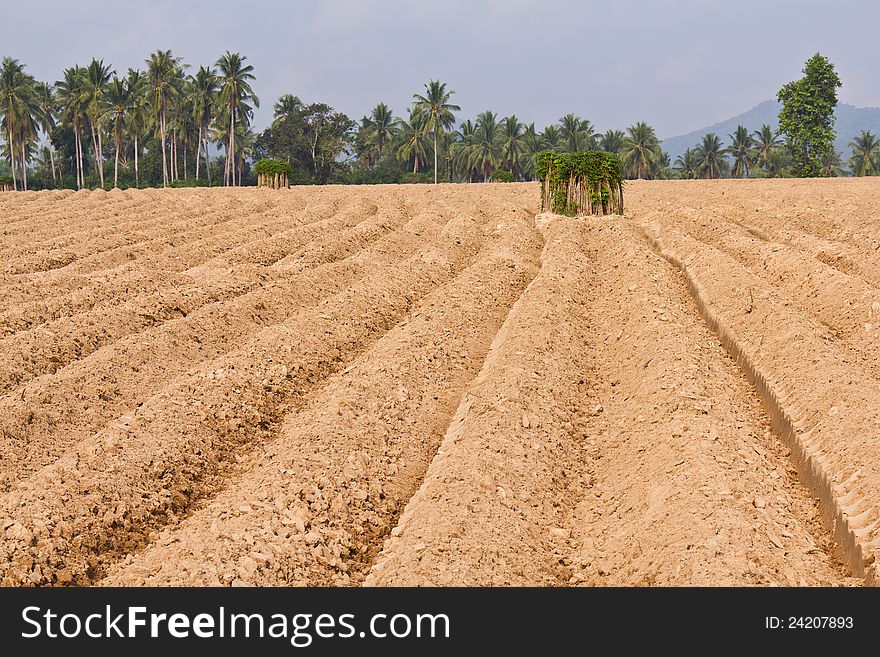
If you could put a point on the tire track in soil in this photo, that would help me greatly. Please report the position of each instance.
(54, 412)
(109, 495)
(315, 505)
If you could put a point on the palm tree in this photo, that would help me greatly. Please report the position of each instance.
(865, 158)
(486, 151)
(686, 164)
(17, 107)
(576, 133)
(711, 159)
(612, 141)
(414, 142)
(237, 98)
(97, 77)
(162, 68)
(552, 138)
(286, 106)
(45, 96)
(436, 106)
(203, 89)
(511, 143)
(641, 150)
(380, 128)
(831, 164)
(117, 102)
(741, 148)
(464, 142)
(71, 94)
(136, 117)
(532, 145)
(765, 141)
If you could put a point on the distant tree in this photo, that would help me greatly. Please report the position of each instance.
(380, 128)
(414, 144)
(765, 141)
(832, 165)
(612, 141)
(512, 145)
(435, 105)
(807, 115)
(640, 151)
(742, 151)
(45, 98)
(162, 69)
(486, 152)
(18, 108)
(711, 159)
(203, 89)
(552, 138)
(686, 164)
(865, 158)
(117, 102)
(237, 98)
(576, 133)
(97, 77)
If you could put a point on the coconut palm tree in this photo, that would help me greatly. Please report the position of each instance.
(552, 138)
(765, 141)
(380, 128)
(686, 164)
(612, 141)
(865, 158)
(712, 162)
(18, 105)
(71, 97)
(203, 89)
(97, 77)
(640, 150)
(436, 106)
(486, 151)
(286, 106)
(532, 145)
(511, 143)
(414, 142)
(238, 98)
(741, 149)
(831, 164)
(576, 133)
(162, 77)
(462, 148)
(117, 102)
(136, 119)
(45, 96)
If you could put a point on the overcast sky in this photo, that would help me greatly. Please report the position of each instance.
(678, 64)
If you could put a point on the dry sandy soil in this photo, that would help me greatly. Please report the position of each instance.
(414, 385)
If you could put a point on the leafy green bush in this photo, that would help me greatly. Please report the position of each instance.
(270, 167)
(502, 176)
(583, 181)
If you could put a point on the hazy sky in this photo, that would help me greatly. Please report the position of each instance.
(678, 64)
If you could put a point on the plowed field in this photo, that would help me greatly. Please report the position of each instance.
(418, 385)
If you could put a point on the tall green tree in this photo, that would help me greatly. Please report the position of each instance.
(162, 68)
(18, 105)
(380, 128)
(641, 150)
(136, 119)
(415, 141)
(686, 164)
(807, 115)
(45, 97)
(71, 95)
(97, 77)
(485, 155)
(436, 106)
(203, 88)
(552, 138)
(511, 145)
(117, 102)
(237, 97)
(576, 133)
(612, 141)
(712, 162)
(765, 140)
(865, 158)
(741, 150)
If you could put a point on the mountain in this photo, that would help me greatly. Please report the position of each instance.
(850, 121)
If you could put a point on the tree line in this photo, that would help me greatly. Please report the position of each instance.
(155, 127)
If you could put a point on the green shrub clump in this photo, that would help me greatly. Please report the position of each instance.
(583, 182)
(272, 173)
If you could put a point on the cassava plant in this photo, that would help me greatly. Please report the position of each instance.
(583, 182)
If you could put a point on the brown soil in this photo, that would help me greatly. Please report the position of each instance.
(433, 386)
